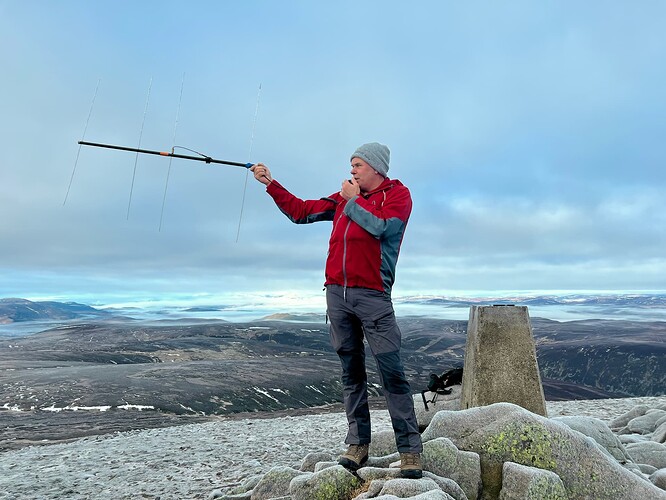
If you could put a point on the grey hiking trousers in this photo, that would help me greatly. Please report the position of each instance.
(356, 313)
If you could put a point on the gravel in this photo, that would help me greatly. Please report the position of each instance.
(190, 461)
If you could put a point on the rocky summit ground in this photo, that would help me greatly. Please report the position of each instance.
(192, 461)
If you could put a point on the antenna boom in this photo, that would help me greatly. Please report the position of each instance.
(206, 159)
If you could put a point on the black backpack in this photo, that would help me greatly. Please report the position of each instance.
(439, 384)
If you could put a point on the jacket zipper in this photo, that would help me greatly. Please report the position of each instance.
(344, 261)
(344, 242)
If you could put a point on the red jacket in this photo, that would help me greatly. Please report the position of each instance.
(367, 231)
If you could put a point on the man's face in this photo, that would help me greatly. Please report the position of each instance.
(366, 176)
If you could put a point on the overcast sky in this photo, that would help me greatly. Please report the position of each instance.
(531, 135)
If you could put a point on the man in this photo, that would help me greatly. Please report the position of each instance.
(369, 215)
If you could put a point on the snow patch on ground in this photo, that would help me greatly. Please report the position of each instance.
(56, 409)
(135, 407)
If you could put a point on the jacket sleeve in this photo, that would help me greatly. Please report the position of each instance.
(302, 211)
(386, 219)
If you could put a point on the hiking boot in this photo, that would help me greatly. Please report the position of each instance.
(410, 465)
(356, 456)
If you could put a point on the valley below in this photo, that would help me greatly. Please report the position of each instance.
(111, 374)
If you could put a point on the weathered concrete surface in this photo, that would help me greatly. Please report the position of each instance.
(500, 360)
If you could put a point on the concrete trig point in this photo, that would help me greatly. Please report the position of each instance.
(500, 360)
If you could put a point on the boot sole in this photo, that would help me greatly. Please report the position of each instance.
(411, 474)
(350, 464)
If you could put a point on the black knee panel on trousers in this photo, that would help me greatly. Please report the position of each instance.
(353, 368)
(393, 374)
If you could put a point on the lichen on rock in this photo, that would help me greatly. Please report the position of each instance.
(333, 483)
(528, 444)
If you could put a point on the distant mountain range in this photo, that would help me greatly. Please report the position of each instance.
(619, 300)
(14, 310)
(21, 310)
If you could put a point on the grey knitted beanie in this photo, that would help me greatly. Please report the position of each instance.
(376, 155)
